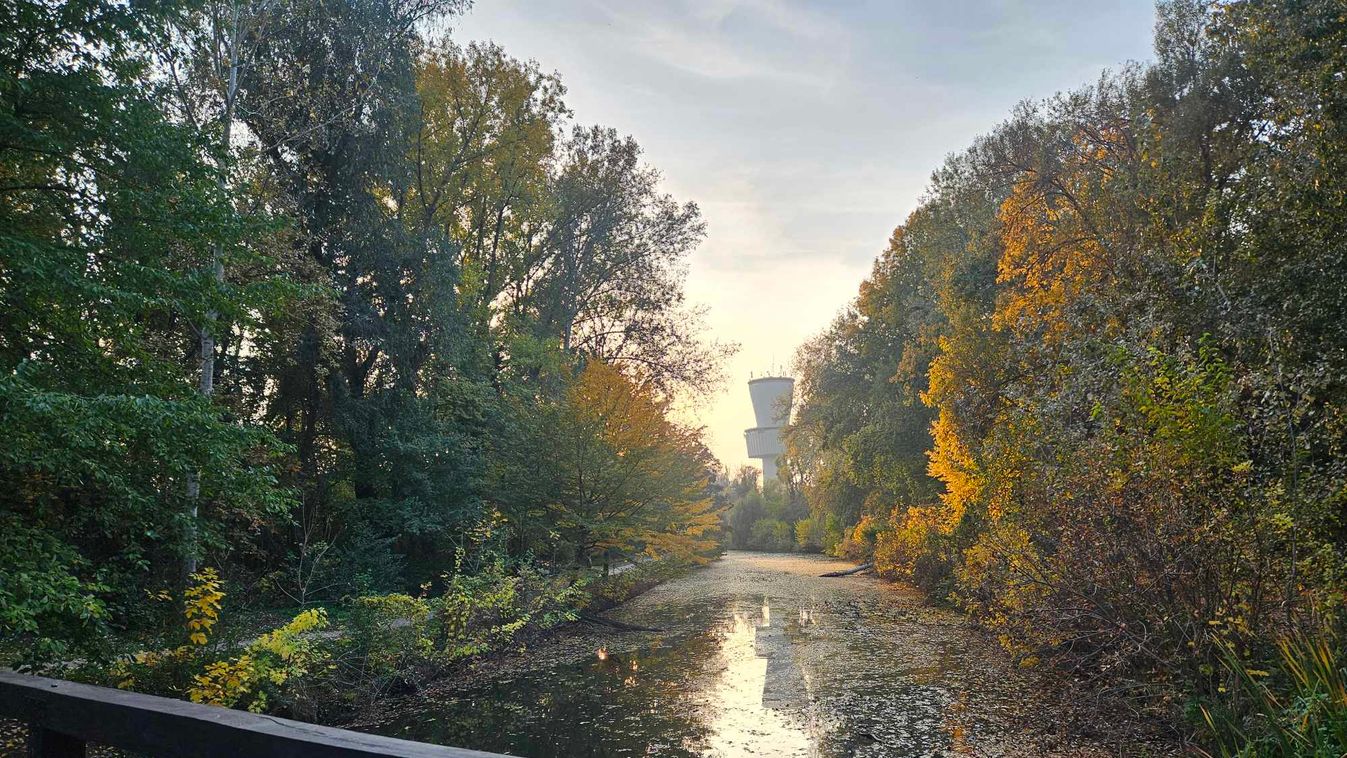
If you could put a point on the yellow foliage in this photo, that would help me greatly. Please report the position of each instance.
(1052, 251)
(636, 481)
(1001, 579)
(907, 539)
(269, 661)
(953, 464)
(201, 604)
(202, 601)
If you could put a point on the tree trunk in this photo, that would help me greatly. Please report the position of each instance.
(206, 385)
(850, 571)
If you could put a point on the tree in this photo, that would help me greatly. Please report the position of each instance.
(483, 156)
(860, 435)
(1122, 309)
(606, 274)
(629, 480)
(109, 219)
(381, 393)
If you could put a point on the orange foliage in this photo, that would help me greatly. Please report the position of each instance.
(637, 481)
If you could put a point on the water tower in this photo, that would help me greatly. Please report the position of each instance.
(771, 406)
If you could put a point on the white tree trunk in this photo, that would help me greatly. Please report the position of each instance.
(206, 385)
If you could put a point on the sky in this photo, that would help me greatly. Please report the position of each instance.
(805, 131)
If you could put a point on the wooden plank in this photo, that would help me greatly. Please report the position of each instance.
(162, 726)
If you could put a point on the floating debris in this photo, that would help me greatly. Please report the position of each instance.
(860, 667)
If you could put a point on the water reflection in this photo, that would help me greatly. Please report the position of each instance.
(850, 668)
(612, 704)
(699, 694)
(741, 723)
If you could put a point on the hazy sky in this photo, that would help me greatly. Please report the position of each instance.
(806, 131)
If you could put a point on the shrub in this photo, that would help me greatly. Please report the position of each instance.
(771, 534)
(167, 671)
(809, 534)
(386, 638)
(484, 611)
(859, 543)
(45, 604)
(256, 677)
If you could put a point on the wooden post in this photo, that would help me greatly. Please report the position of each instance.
(44, 743)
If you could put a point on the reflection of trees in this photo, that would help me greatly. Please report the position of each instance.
(622, 705)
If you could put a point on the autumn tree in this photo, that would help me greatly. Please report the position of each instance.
(627, 480)
(1116, 308)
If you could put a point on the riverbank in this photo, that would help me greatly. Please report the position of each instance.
(344, 660)
(757, 653)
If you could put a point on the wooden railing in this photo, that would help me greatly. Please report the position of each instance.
(63, 717)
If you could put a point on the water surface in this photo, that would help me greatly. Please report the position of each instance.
(759, 656)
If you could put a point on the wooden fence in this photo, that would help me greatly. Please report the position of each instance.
(63, 717)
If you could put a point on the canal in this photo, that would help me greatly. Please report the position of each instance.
(758, 655)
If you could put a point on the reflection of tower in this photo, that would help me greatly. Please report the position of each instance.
(771, 406)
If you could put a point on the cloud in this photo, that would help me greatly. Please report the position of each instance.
(769, 41)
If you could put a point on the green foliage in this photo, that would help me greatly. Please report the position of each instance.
(45, 603)
(388, 632)
(858, 439)
(1094, 391)
(487, 610)
(769, 519)
(772, 535)
(109, 211)
(818, 533)
(411, 265)
(611, 476)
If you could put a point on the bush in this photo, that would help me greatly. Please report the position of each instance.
(46, 608)
(485, 611)
(265, 670)
(859, 543)
(168, 668)
(259, 678)
(809, 534)
(386, 640)
(771, 534)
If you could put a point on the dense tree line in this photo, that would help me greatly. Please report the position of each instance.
(766, 517)
(303, 293)
(1095, 389)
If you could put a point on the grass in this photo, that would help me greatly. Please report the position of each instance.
(1299, 709)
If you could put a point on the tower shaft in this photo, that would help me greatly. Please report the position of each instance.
(771, 396)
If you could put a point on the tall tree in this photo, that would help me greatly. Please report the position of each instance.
(110, 215)
(606, 276)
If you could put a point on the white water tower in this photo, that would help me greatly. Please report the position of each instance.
(771, 406)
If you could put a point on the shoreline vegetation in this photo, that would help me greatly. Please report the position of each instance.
(333, 351)
(333, 664)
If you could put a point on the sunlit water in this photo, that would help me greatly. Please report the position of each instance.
(759, 656)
